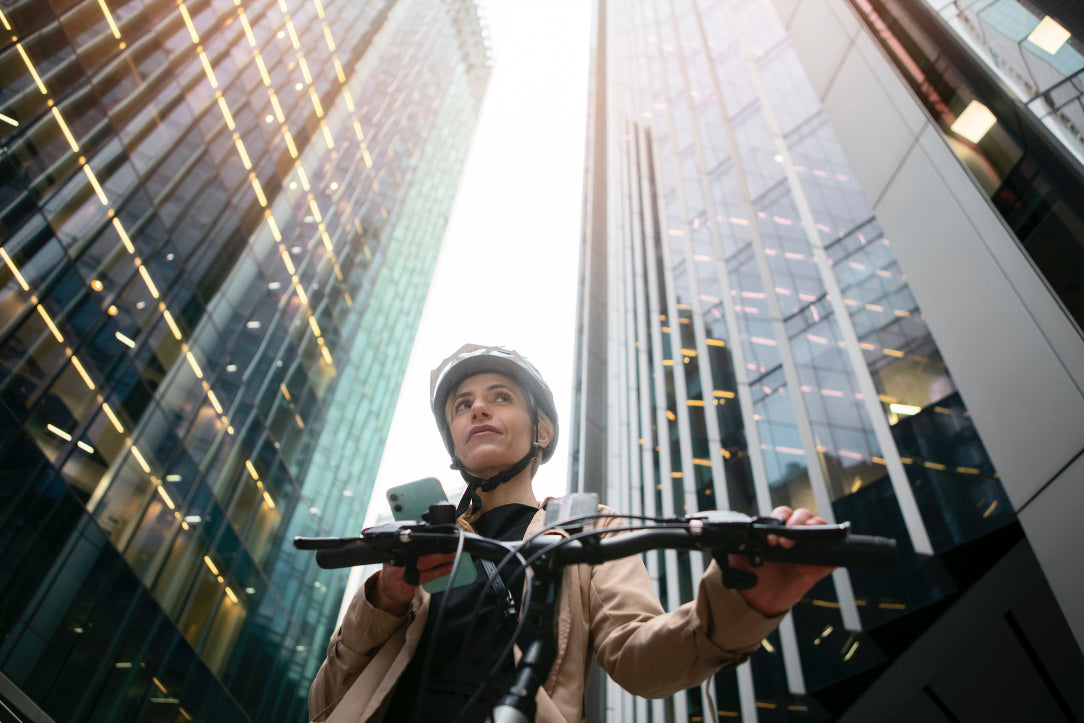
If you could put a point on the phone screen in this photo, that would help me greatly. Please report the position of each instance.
(409, 502)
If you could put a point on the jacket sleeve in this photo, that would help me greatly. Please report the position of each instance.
(635, 639)
(363, 631)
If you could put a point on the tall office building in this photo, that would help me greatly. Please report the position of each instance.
(219, 219)
(832, 258)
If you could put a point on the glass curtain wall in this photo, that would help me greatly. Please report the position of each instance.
(1003, 83)
(219, 219)
(765, 343)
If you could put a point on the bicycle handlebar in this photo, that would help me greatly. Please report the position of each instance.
(718, 532)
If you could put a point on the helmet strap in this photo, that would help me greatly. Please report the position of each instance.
(470, 498)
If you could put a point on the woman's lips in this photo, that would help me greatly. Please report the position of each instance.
(481, 429)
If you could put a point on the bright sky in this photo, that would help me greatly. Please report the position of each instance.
(509, 264)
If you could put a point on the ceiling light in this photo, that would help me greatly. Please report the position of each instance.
(974, 122)
(1049, 35)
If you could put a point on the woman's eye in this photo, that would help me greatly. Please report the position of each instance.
(502, 397)
(462, 405)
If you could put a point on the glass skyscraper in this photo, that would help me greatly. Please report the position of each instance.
(808, 281)
(219, 219)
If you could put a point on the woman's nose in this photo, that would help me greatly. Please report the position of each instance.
(479, 408)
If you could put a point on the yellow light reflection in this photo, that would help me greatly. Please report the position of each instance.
(30, 67)
(293, 34)
(188, 23)
(289, 262)
(148, 281)
(214, 401)
(339, 70)
(173, 328)
(304, 68)
(59, 432)
(251, 469)
(1049, 35)
(166, 498)
(49, 323)
(328, 38)
(9, 120)
(274, 227)
(109, 19)
(64, 129)
(327, 136)
(315, 326)
(258, 189)
(112, 418)
(231, 594)
(247, 27)
(210, 565)
(94, 182)
(289, 142)
(326, 354)
(123, 236)
(225, 112)
(315, 210)
(14, 270)
(208, 69)
(267, 498)
(279, 115)
(82, 372)
(139, 458)
(194, 364)
(241, 151)
(301, 295)
(974, 122)
(264, 76)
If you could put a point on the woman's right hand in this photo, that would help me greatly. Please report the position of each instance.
(393, 593)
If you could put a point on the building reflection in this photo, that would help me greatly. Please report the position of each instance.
(219, 221)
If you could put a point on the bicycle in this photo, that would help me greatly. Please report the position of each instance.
(544, 556)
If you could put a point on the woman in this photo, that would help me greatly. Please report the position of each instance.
(498, 421)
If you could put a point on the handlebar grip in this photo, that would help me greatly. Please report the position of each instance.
(866, 551)
(359, 554)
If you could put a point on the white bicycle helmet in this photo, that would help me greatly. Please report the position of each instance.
(472, 359)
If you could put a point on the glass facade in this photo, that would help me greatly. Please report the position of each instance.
(1023, 147)
(764, 342)
(219, 219)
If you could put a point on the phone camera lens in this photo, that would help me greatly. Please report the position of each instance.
(398, 508)
(393, 498)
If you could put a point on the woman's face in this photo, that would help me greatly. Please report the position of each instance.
(490, 424)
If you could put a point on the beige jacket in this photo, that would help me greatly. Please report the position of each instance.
(609, 608)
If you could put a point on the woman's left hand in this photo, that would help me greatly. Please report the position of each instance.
(781, 584)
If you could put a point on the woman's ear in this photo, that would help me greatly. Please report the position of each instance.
(545, 431)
